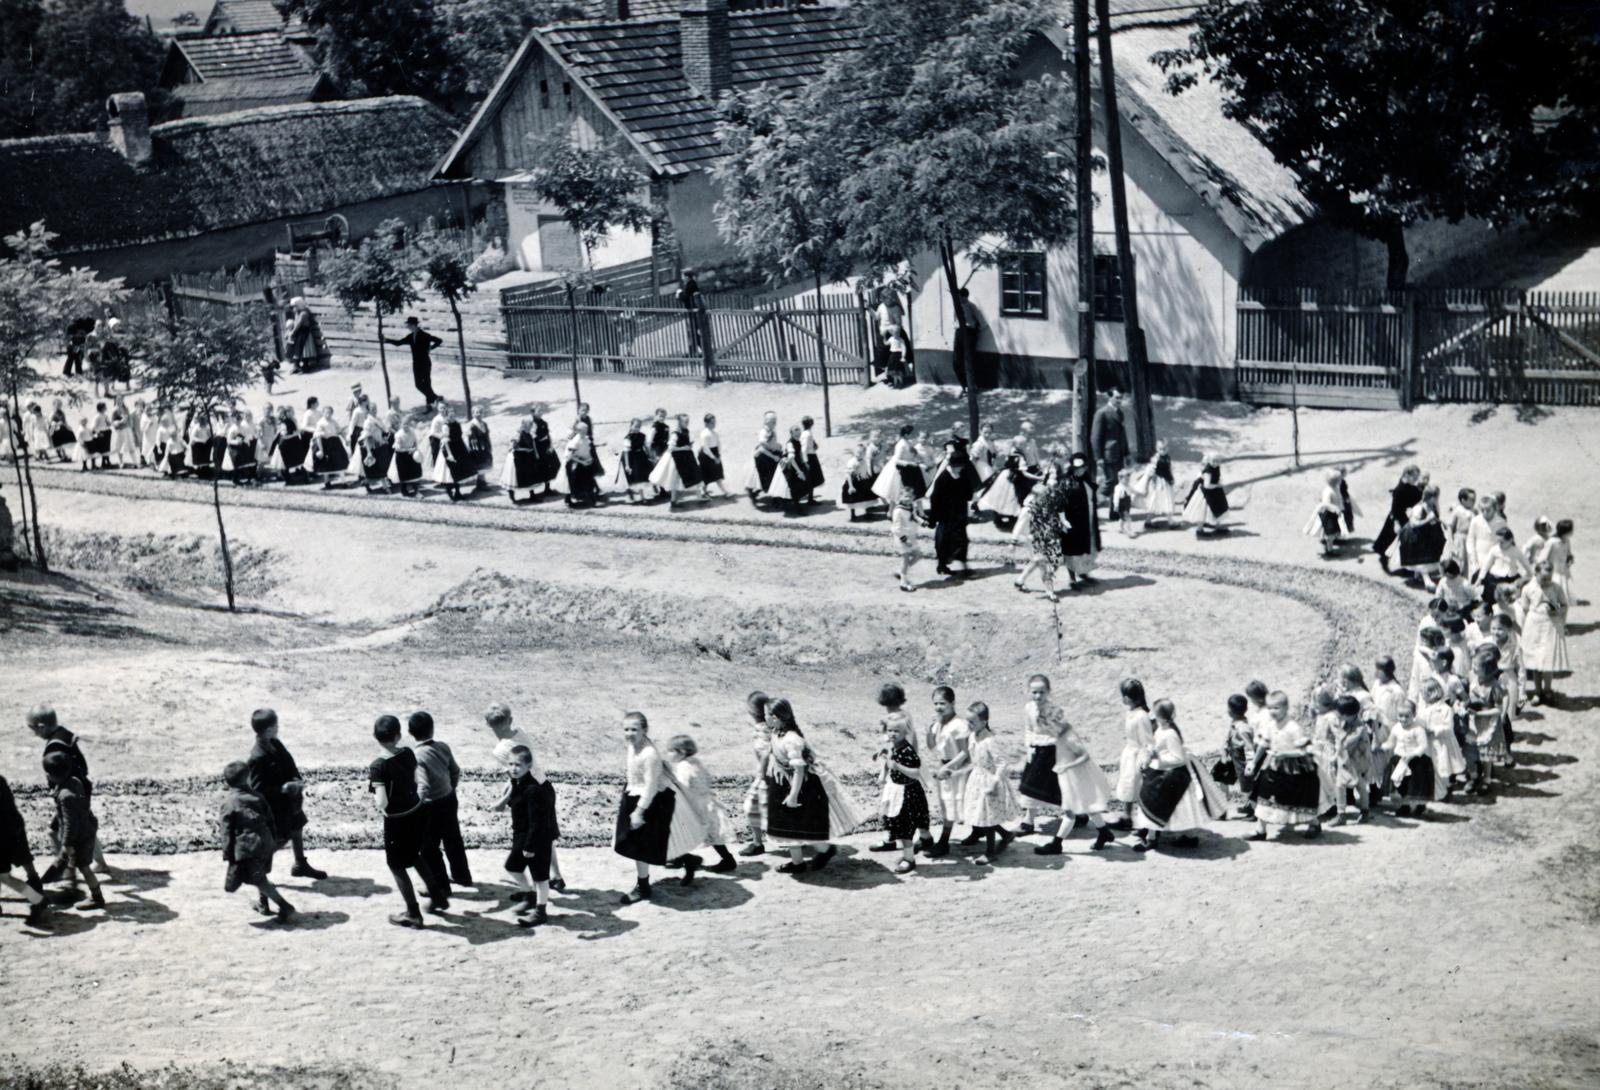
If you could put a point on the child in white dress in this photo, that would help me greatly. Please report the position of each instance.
(1084, 788)
(696, 782)
(1137, 736)
(989, 801)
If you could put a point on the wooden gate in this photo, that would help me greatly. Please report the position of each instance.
(773, 341)
(1508, 346)
(1327, 349)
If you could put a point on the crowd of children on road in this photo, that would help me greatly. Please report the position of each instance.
(1352, 749)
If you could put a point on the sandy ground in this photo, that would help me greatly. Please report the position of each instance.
(1455, 951)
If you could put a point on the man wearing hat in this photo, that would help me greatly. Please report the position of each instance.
(1080, 538)
(422, 345)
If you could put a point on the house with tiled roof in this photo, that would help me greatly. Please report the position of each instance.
(145, 201)
(243, 17)
(645, 77)
(242, 69)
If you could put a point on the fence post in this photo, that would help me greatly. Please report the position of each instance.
(708, 353)
(1410, 378)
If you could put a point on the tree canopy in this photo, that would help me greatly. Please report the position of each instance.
(61, 59)
(596, 189)
(1398, 111)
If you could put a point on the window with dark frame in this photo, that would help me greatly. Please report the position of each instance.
(1107, 288)
(1024, 290)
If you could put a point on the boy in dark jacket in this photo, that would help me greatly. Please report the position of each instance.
(533, 833)
(74, 827)
(274, 776)
(249, 840)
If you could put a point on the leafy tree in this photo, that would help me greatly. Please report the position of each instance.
(381, 47)
(943, 150)
(595, 189)
(446, 269)
(382, 271)
(37, 300)
(1398, 111)
(780, 208)
(60, 60)
(206, 362)
(483, 34)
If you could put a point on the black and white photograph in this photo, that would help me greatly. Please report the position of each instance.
(799, 544)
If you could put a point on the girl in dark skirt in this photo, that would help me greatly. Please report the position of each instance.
(480, 445)
(654, 822)
(789, 484)
(636, 465)
(582, 467)
(806, 805)
(1423, 540)
(1287, 789)
(813, 463)
(902, 801)
(200, 446)
(678, 470)
(168, 455)
(329, 458)
(1415, 776)
(1040, 790)
(375, 455)
(405, 469)
(708, 452)
(660, 436)
(240, 460)
(521, 472)
(249, 839)
(62, 437)
(765, 459)
(594, 447)
(544, 446)
(456, 462)
(1176, 795)
(857, 494)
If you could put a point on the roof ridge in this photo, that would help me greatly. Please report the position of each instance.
(265, 114)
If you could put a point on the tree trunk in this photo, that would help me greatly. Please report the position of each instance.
(383, 359)
(1394, 240)
(1132, 332)
(40, 561)
(23, 454)
(947, 258)
(572, 315)
(822, 359)
(461, 344)
(1083, 378)
(222, 536)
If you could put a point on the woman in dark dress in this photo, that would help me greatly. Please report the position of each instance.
(1078, 524)
(1040, 788)
(549, 461)
(902, 801)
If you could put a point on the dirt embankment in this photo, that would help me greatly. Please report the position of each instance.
(181, 564)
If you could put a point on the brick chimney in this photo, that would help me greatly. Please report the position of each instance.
(128, 119)
(703, 40)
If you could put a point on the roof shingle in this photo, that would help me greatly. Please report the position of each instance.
(259, 55)
(243, 16)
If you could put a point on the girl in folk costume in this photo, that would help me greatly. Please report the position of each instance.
(521, 472)
(806, 805)
(141, 421)
(200, 445)
(789, 483)
(1324, 519)
(764, 458)
(375, 454)
(1352, 758)
(267, 436)
(438, 431)
(124, 447)
(1176, 795)
(1489, 707)
(1387, 693)
(902, 802)
(927, 454)
(813, 464)
(1535, 550)
(1457, 525)
(1505, 565)
(1422, 539)
(249, 840)
(455, 463)
(10, 436)
(545, 448)
(1006, 493)
(1326, 730)
(678, 471)
(986, 455)
(755, 796)
(1542, 613)
(1560, 557)
(1039, 788)
(903, 471)
(480, 444)
(1027, 445)
(405, 469)
(903, 525)
(1458, 597)
(1154, 485)
(1430, 641)
(635, 465)
(1042, 518)
(240, 459)
(1138, 732)
(594, 444)
(1415, 778)
(708, 454)
(95, 441)
(291, 447)
(35, 432)
(328, 455)
(169, 455)
(1239, 747)
(945, 748)
(892, 699)
(656, 821)
(696, 783)
(1436, 714)
(660, 435)
(989, 801)
(856, 493)
(1122, 501)
(582, 465)
(1207, 501)
(61, 438)
(1083, 786)
(1481, 534)
(1506, 636)
(1286, 789)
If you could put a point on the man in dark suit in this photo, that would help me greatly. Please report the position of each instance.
(1108, 442)
(422, 345)
(1402, 498)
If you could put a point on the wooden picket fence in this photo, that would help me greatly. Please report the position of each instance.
(771, 341)
(1379, 349)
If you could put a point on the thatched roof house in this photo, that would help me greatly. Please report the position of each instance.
(240, 71)
(206, 192)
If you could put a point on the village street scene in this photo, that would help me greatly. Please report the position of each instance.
(799, 544)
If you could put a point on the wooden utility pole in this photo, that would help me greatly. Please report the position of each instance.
(1083, 386)
(1132, 332)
